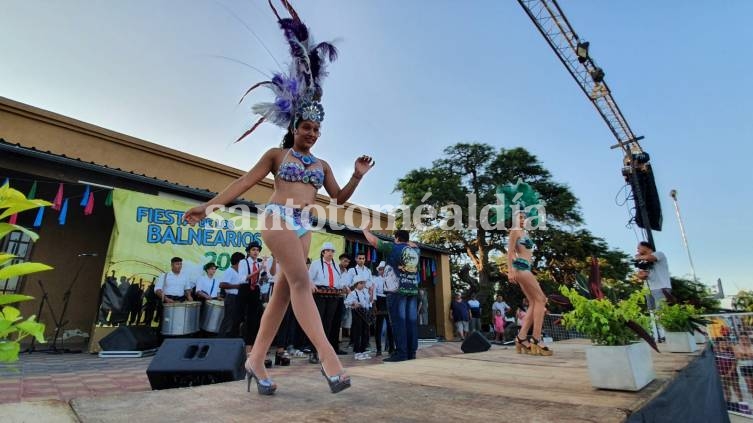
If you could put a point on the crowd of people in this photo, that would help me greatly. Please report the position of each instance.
(351, 301)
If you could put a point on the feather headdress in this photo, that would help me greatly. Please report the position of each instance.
(520, 196)
(298, 92)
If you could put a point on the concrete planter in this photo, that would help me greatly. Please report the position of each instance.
(623, 368)
(680, 342)
(699, 337)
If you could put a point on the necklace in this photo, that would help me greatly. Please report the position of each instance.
(307, 159)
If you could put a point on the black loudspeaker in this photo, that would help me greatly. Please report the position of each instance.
(427, 332)
(130, 338)
(181, 363)
(647, 187)
(475, 342)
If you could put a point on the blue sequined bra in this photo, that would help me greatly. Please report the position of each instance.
(526, 242)
(297, 172)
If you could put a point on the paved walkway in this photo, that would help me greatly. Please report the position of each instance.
(42, 376)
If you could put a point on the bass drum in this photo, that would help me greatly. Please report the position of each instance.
(212, 313)
(180, 318)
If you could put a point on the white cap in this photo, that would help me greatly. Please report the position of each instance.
(382, 265)
(327, 246)
(361, 277)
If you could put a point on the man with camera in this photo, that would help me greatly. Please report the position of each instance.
(654, 270)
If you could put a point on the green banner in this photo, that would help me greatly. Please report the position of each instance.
(149, 231)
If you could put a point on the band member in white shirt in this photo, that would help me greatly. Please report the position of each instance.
(174, 285)
(252, 268)
(325, 276)
(347, 280)
(208, 286)
(360, 268)
(232, 282)
(359, 304)
(382, 317)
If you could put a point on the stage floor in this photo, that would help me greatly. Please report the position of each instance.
(498, 384)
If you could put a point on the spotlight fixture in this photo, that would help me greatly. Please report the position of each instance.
(581, 50)
(598, 75)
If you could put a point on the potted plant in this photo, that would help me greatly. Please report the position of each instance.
(680, 321)
(13, 328)
(617, 359)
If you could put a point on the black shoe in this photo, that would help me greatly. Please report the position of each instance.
(268, 363)
(281, 360)
(341, 352)
(314, 358)
(393, 359)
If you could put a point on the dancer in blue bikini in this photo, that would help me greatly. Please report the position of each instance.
(298, 177)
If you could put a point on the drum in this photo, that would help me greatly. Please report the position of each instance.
(212, 313)
(180, 318)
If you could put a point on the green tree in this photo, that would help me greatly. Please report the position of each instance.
(743, 301)
(473, 171)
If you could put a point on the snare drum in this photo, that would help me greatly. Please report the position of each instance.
(180, 318)
(212, 313)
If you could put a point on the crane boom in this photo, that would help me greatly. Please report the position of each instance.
(552, 23)
(562, 38)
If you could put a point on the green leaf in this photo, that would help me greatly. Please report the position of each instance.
(4, 258)
(21, 269)
(6, 228)
(9, 351)
(13, 298)
(11, 313)
(18, 205)
(33, 328)
(6, 328)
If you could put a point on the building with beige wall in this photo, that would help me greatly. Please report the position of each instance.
(44, 147)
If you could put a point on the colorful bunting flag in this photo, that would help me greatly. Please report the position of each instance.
(108, 200)
(32, 191)
(58, 201)
(13, 218)
(63, 212)
(89, 209)
(7, 182)
(38, 219)
(85, 197)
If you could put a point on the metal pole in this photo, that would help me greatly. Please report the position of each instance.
(673, 194)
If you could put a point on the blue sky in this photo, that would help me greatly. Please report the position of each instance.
(417, 76)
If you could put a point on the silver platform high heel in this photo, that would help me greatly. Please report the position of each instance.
(264, 386)
(337, 383)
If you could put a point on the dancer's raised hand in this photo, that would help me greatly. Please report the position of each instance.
(363, 165)
(194, 215)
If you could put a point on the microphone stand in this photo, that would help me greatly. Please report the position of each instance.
(60, 324)
(32, 347)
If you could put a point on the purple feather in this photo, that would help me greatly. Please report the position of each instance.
(295, 29)
(283, 105)
(327, 50)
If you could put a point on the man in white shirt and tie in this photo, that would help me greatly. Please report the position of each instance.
(251, 269)
(325, 275)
